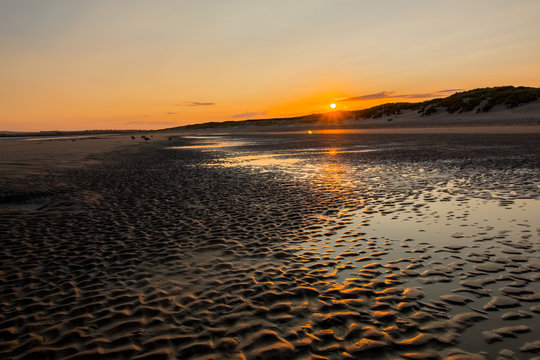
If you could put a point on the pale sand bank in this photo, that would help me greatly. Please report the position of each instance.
(40, 155)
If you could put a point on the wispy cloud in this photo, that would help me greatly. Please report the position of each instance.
(196, 103)
(418, 96)
(171, 113)
(392, 95)
(249, 114)
(379, 95)
(451, 90)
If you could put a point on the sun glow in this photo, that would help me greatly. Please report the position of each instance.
(333, 106)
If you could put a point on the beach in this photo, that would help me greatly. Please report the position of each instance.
(409, 244)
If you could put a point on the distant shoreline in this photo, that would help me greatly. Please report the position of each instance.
(58, 133)
(419, 126)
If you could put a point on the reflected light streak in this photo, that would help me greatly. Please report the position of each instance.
(332, 175)
(339, 131)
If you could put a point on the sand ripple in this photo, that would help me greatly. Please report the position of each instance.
(157, 256)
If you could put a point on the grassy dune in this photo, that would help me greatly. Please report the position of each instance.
(476, 101)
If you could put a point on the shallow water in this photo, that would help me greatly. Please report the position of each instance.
(427, 225)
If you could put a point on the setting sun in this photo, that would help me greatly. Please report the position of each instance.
(333, 106)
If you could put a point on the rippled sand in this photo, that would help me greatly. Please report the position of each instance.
(327, 246)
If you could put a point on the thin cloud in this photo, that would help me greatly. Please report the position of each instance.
(392, 95)
(451, 90)
(171, 113)
(249, 115)
(418, 96)
(196, 103)
(379, 95)
(429, 95)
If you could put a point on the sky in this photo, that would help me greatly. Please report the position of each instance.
(133, 64)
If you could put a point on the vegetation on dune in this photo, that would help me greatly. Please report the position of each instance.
(484, 99)
(478, 100)
(384, 110)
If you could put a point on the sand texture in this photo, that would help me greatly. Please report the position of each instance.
(322, 246)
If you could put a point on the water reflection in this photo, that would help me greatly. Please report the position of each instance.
(407, 241)
(260, 160)
(299, 163)
(207, 146)
(218, 145)
(332, 175)
(211, 142)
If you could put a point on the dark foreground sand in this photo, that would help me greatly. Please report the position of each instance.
(149, 253)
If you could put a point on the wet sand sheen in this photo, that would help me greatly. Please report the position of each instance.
(422, 248)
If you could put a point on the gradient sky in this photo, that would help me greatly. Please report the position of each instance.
(125, 64)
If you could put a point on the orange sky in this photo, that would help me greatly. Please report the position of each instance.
(73, 64)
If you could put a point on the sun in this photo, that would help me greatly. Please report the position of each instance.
(333, 106)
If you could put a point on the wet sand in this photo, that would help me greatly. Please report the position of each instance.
(276, 246)
(27, 156)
